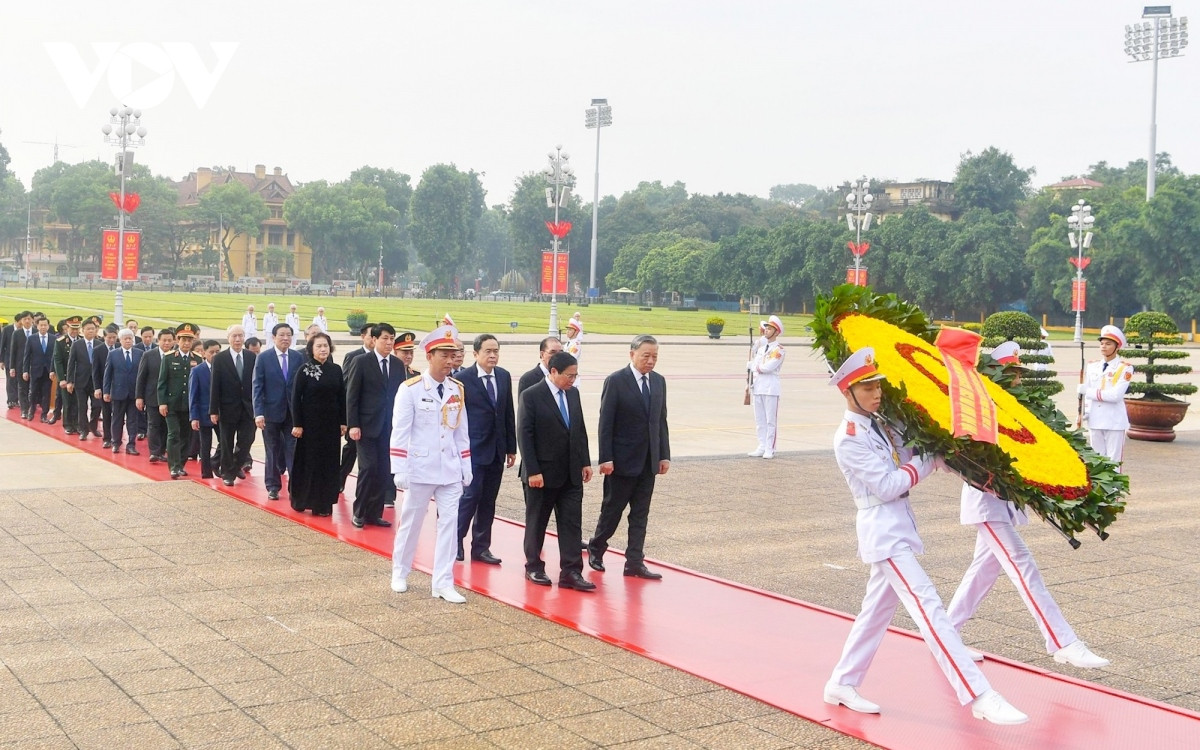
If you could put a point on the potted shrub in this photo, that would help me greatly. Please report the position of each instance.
(1153, 412)
(355, 319)
(715, 326)
(1022, 328)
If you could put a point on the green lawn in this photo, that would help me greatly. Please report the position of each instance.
(221, 310)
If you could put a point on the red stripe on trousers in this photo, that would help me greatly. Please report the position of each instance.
(932, 632)
(1024, 586)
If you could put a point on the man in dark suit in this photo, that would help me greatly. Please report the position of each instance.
(370, 398)
(634, 449)
(37, 364)
(547, 349)
(350, 449)
(145, 343)
(98, 363)
(65, 406)
(555, 464)
(487, 391)
(231, 405)
(6, 337)
(119, 389)
(14, 356)
(274, 375)
(77, 378)
(147, 395)
(199, 399)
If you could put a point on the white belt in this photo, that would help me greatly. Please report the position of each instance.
(871, 501)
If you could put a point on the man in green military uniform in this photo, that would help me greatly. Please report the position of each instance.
(64, 404)
(173, 377)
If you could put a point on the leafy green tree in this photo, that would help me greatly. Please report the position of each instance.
(737, 265)
(345, 224)
(804, 257)
(991, 180)
(168, 229)
(234, 211)
(446, 207)
(77, 195)
(624, 271)
(986, 261)
(13, 215)
(796, 194)
(1170, 257)
(493, 248)
(527, 216)
(906, 257)
(677, 268)
(398, 195)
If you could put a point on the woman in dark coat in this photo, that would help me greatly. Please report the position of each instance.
(319, 419)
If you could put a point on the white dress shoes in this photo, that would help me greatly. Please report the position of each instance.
(757, 452)
(449, 595)
(1079, 655)
(768, 455)
(399, 585)
(847, 696)
(992, 707)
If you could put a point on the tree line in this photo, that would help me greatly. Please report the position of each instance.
(1007, 249)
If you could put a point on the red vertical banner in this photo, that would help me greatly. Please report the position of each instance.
(547, 271)
(1079, 295)
(857, 277)
(563, 267)
(550, 279)
(108, 254)
(131, 255)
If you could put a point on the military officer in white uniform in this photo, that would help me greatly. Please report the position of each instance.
(431, 459)
(765, 367)
(1103, 390)
(880, 472)
(270, 319)
(574, 345)
(998, 547)
(250, 323)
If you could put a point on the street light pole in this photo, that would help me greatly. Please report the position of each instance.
(562, 178)
(1079, 231)
(598, 117)
(129, 123)
(858, 219)
(1161, 36)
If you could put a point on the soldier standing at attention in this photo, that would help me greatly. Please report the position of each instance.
(65, 406)
(1103, 388)
(880, 471)
(431, 459)
(173, 377)
(768, 360)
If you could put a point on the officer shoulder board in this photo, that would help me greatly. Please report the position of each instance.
(462, 392)
(851, 430)
(413, 380)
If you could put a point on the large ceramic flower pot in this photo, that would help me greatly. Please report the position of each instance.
(714, 332)
(1154, 420)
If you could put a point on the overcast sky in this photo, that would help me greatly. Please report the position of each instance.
(722, 95)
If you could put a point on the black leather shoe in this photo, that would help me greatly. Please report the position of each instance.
(107, 444)
(97, 433)
(574, 580)
(241, 473)
(69, 431)
(182, 473)
(458, 556)
(227, 482)
(641, 571)
(380, 522)
(44, 420)
(595, 562)
(52, 420)
(486, 557)
(83, 436)
(154, 458)
(539, 577)
(132, 451)
(174, 474)
(358, 522)
(273, 495)
(116, 449)
(141, 436)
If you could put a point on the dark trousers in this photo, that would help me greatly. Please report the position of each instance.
(375, 484)
(281, 446)
(39, 394)
(23, 393)
(179, 438)
(478, 503)
(205, 434)
(156, 431)
(103, 409)
(236, 436)
(567, 504)
(142, 422)
(124, 417)
(620, 493)
(83, 413)
(12, 387)
(349, 456)
(65, 406)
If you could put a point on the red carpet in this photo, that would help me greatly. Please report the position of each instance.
(769, 647)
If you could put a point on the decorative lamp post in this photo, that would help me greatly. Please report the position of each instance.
(127, 133)
(599, 116)
(561, 178)
(858, 218)
(1079, 232)
(1161, 36)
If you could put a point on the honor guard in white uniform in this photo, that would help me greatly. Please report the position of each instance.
(998, 547)
(765, 367)
(250, 323)
(292, 319)
(574, 345)
(1103, 389)
(880, 471)
(431, 460)
(270, 319)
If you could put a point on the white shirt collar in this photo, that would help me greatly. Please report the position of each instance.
(554, 390)
(637, 374)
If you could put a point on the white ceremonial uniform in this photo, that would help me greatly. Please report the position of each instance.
(431, 449)
(1104, 387)
(880, 475)
(574, 346)
(998, 547)
(250, 325)
(293, 320)
(320, 320)
(270, 320)
(767, 362)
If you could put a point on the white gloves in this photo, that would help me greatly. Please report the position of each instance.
(401, 481)
(750, 366)
(1082, 389)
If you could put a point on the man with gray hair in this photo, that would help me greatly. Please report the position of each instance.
(230, 408)
(119, 387)
(634, 449)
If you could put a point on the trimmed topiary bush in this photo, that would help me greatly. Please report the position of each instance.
(1151, 331)
(1024, 329)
